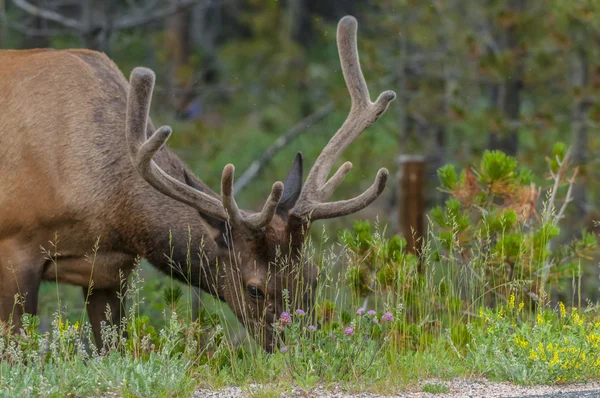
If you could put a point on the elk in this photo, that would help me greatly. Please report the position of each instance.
(80, 158)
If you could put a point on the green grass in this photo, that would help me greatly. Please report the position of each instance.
(389, 319)
(167, 354)
(435, 388)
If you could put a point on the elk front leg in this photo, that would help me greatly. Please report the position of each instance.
(19, 288)
(106, 304)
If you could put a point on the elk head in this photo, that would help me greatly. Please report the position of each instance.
(260, 254)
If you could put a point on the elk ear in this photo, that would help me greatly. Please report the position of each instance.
(292, 187)
(212, 221)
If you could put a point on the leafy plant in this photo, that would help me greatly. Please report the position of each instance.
(493, 226)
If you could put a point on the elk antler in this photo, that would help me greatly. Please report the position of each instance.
(142, 150)
(363, 113)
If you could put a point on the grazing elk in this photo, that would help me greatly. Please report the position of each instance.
(79, 158)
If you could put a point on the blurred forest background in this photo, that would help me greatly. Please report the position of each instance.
(235, 75)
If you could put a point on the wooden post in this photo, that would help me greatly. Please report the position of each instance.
(2, 23)
(411, 200)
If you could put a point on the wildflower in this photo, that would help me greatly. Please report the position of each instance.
(533, 356)
(331, 336)
(300, 312)
(312, 328)
(360, 311)
(285, 318)
(511, 302)
(563, 310)
(521, 305)
(501, 313)
(521, 342)
(540, 318)
(283, 349)
(349, 332)
(76, 326)
(577, 319)
(371, 312)
(541, 351)
(593, 339)
(375, 320)
(387, 317)
(61, 326)
(555, 359)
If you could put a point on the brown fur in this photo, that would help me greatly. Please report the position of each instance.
(67, 170)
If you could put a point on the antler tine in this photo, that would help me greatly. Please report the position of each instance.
(142, 150)
(362, 114)
(345, 207)
(255, 221)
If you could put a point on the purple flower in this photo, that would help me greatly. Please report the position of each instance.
(331, 336)
(387, 317)
(360, 311)
(375, 320)
(285, 318)
(349, 332)
(371, 312)
(283, 349)
(312, 328)
(300, 312)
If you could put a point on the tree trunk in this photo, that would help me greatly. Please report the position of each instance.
(97, 17)
(180, 48)
(299, 22)
(2, 23)
(579, 129)
(510, 93)
(36, 41)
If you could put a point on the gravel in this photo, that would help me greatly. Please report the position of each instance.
(459, 388)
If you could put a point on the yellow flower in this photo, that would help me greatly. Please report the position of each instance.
(76, 326)
(577, 319)
(563, 310)
(511, 301)
(533, 356)
(540, 318)
(541, 351)
(521, 305)
(555, 359)
(521, 342)
(62, 327)
(593, 339)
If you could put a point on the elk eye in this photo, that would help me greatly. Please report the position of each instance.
(255, 292)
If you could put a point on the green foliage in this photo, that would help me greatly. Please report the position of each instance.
(435, 388)
(376, 262)
(496, 167)
(491, 224)
(447, 176)
(559, 346)
(336, 352)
